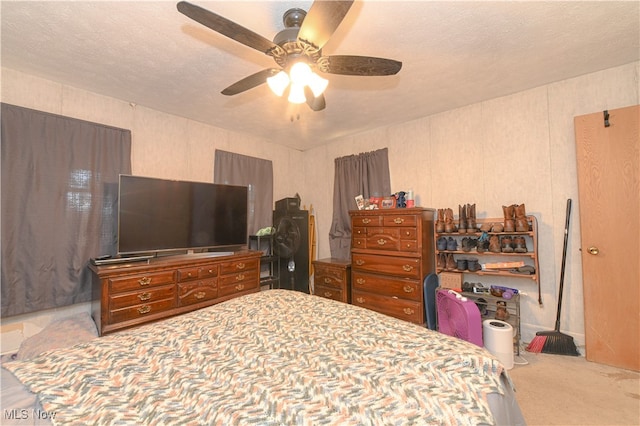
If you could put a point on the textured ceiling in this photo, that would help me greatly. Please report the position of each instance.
(454, 53)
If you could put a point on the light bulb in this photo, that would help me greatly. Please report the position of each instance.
(317, 84)
(278, 83)
(296, 94)
(300, 73)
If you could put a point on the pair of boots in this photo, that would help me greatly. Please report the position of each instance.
(444, 221)
(444, 243)
(516, 244)
(468, 264)
(467, 218)
(446, 262)
(515, 218)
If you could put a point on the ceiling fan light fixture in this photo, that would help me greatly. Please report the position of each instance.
(296, 94)
(278, 83)
(317, 84)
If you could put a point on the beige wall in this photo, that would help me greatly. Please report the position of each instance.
(515, 149)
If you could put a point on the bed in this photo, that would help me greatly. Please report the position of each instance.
(276, 357)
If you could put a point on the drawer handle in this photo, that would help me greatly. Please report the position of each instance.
(211, 271)
(144, 281)
(382, 242)
(327, 280)
(360, 280)
(398, 220)
(360, 300)
(189, 274)
(408, 311)
(144, 296)
(359, 262)
(240, 287)
(408, 289)
(327, 294)
(407, 268)
(366, 221)
(144, 309)
(200, 295)
(239, 277)
(240, 266)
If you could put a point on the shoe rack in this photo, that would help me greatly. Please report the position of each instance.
(530, 257)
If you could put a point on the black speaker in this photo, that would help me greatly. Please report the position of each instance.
(291, 243)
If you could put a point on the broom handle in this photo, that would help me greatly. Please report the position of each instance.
(564, 260)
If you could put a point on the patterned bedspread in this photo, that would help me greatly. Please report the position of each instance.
(276, 357)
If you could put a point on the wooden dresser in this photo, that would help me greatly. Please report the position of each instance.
(391, 254)
(130, 294)
(332, 279)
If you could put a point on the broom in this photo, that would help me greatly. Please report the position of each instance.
(555, 342)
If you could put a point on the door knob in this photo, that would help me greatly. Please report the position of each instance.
(593, 250)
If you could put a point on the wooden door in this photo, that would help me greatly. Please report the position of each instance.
(609, 189)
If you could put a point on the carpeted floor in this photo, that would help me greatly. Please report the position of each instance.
(567, 390)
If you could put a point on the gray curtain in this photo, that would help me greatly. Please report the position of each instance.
(364, 174)
(59, 198)
(254, 173)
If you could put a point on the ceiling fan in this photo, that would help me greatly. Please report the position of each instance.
(299, 44)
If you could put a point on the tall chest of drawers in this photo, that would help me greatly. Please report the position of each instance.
(391, 254)
(130, 294)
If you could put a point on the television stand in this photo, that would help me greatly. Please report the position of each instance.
(133, 293)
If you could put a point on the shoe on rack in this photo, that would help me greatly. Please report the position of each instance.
(440, 221)
(494, 244)
(449, 226)
(441, 243)
(509, 218)
(471, 218)
(450, 262)
(441, 261)
(452, 244)
(506, 245)
(519, 244)
(469, 243)
(521, 223)
(497, 227)
(483, 243)
(473, 265)
(461, 264)
(462, 219)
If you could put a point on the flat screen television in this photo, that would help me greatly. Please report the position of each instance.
(160, 215)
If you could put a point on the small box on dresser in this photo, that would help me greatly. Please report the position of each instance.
(391, 254)
(332, 279)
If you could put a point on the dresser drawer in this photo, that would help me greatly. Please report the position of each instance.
(239, 282)
(404, 267)
(329, 292)
(199, 272)
(197, 291)
(403, 309)
(238, 266)
(388, 286)
(369, 220)
(152, 294)
(400, 220)
(142, 310)
(141, 281)
(328, 276)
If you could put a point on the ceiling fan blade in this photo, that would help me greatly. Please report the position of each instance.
(226, 27)
(250, 82)
(316, 103)
(322, 20)
(358, 65)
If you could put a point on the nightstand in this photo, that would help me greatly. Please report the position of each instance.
(332, 279)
